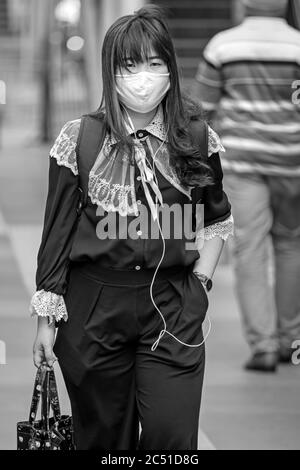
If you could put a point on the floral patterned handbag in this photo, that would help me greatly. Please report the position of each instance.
(55, 433)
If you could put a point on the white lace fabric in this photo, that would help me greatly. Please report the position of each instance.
(220, 229)
(63, 149)
(214, 142)
(48, 304)
(111, 180)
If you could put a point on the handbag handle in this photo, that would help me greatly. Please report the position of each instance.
(45, 402)
(53, 394)
(45, 388)
(38, 383)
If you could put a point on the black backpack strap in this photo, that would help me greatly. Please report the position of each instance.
(199, 134)
(90, 140)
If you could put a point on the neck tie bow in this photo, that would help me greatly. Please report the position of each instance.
(147, 178)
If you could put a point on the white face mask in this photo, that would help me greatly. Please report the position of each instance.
(143, 91)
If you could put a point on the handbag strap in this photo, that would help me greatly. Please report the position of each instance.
(45, 388)
(54, 400)
(37, 390)
(45, 403)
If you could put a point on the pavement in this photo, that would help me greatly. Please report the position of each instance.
(240, 410)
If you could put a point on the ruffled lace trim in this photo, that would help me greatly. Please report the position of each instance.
(219, 229)
(214, 142)
(104, 193)
(48, 304)
(63, 149)
(112, 190)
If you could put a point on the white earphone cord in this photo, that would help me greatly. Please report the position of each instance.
(162, 332)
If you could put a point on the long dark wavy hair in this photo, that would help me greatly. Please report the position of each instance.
(135, 36)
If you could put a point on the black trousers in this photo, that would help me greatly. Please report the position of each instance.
(113, 378)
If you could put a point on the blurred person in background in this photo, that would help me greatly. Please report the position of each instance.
(246, 78)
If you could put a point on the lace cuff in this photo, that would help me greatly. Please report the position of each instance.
(219, 229)
(48, 304)
(214, 142)
(63, 149)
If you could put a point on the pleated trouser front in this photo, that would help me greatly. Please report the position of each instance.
(113, 378)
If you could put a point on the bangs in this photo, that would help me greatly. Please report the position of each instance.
(138, 41)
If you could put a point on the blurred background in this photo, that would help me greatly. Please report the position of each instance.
(51, 60)
(50, 65)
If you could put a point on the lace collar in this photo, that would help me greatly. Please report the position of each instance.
(156, 127)
(112, 177)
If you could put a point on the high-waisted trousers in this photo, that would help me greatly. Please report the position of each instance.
(114, 379)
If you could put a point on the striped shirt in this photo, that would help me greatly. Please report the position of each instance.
(250, 76)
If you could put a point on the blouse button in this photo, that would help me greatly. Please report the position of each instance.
(139, 232)
(137, 267)
(139, 178)
(139, 201)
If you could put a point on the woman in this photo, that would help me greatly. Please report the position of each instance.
(131, 347)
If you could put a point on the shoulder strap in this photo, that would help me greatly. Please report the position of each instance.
(90, 139)
(199, 133)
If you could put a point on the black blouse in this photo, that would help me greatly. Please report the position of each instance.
(67, 239)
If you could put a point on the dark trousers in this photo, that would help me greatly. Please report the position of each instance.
(113, 378)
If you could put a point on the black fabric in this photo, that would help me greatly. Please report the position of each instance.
(90, 140)
(112, 375)
(199, 133)
(59, 227)
(216, 204)
(68, 239)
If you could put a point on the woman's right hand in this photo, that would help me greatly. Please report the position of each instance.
(43, 344)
